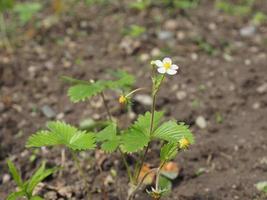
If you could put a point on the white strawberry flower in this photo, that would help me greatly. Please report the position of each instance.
(166, 66)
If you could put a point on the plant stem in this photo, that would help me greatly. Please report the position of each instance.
(122, 154)
(158, 174)
(126, 165)
(78, 165)
(140, 184)
(153, 108)
(106, 105)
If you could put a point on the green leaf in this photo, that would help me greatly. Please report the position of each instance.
(173, 132)
(138, 135)
(38, 177)
(109, 138)
(133, 141)
(60, 133)
(124, 81)
(168, 151)
(81, 92)
(261, 186)
(165, 185)
(15, 174)
(6, 5)
(27, 10)
(16, 195)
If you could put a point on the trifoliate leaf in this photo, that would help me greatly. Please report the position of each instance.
(138, 135)
(109, 138)
(81, 92)
(134, 140)
(143, 122)
(173, 132)
(124, 81)
(60, 133)
(15, 174)
(168, 151)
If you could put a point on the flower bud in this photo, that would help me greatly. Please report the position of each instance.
(184, 143)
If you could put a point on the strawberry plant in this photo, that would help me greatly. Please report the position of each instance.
(136, 139)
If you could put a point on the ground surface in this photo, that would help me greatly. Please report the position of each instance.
(228, 89)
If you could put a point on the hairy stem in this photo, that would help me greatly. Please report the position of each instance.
(131, 196)
(158, 174)
(126, 165)
(155, 90)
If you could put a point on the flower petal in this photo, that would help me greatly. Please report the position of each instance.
(162, 70)
(159, 63)
(167, 60)
(175, 67)
(171, 71)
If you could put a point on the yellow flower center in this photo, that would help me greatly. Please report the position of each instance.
(167, 65)
(122, 99)
(184, 143)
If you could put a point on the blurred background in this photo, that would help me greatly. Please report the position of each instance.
(220, 90)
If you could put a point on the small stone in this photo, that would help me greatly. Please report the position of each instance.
(248, 31)
(6, 178)
(165, 35)
(144, 57)
(49, 65)
(262, 89)
(212, 26)
(180, 35)
(256, 105)
(155, 52)
(201, 122)
(65, 191)
(181, 95)
(48, 111)
(171, 25)
(194, 56)
(51, 195)
(144, 99)
(247, 62)
(60, 116)
(108, 180)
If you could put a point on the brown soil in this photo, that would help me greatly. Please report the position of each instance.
(232, 151)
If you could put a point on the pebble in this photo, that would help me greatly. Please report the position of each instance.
(155, 52)
(181, 95)
(60, 116)
(171, 25)
(256, 105)
(65, 191)
(262, 89)
(51, 195)
(6, 178)
(201, 122)
(180, 35)
(144, 57)
(165, 35)
(247, 31)
(144, 99)
(48, 111)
